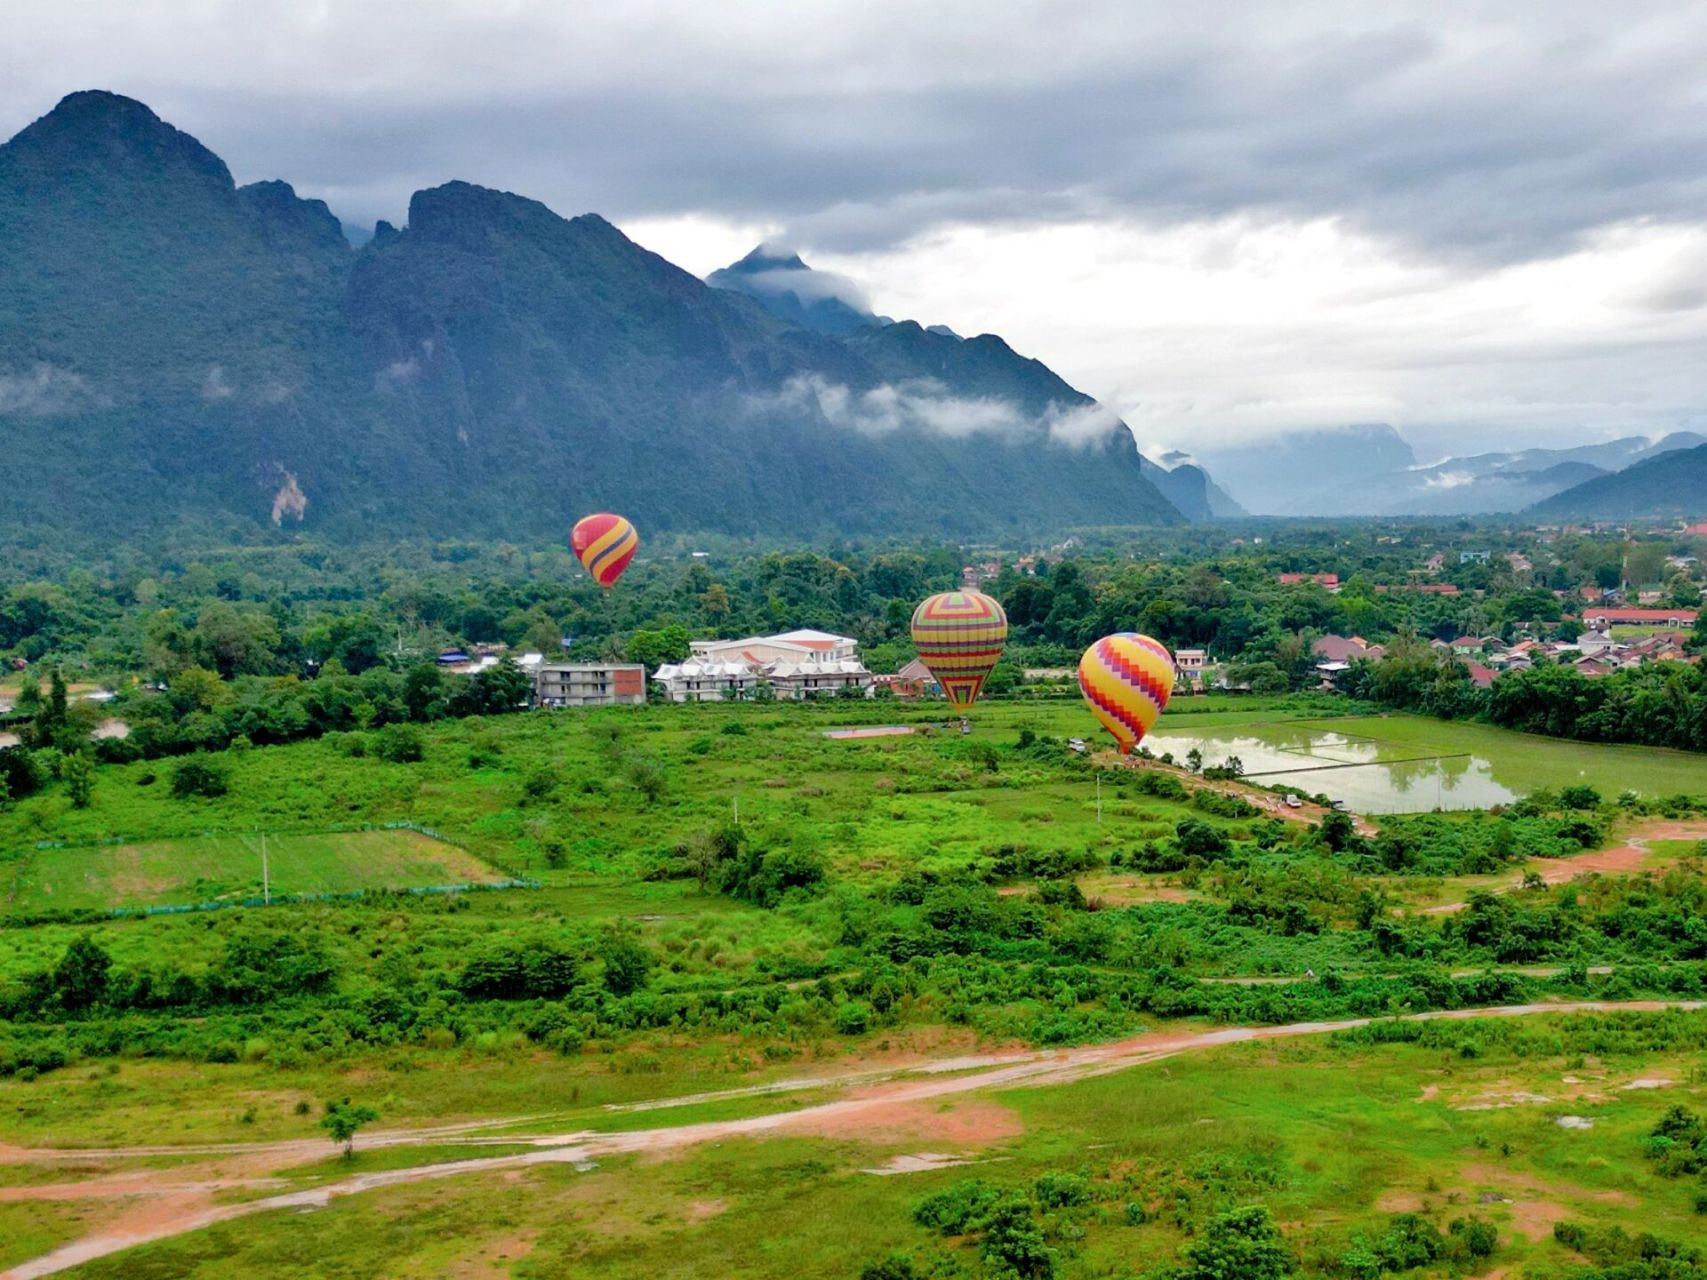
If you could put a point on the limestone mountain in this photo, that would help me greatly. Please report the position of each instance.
(176, 350)
(984, 367)
(1663, 485)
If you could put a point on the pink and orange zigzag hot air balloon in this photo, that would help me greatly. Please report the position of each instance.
(1127, 679)
(604, 544)
(959, 635)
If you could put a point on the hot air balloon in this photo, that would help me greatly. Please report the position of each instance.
(604, 544)
(1127, 678)
(959, 635)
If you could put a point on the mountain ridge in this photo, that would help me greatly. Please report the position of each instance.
(1673, 483)
(176, 350)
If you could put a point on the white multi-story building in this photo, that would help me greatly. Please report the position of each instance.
(703, 680)
(588, 684)
(795, 664)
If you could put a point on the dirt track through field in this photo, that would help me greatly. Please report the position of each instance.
(184, 1206)
(1620, 860)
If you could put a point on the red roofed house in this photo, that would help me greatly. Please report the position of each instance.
(912, 681)
(1480, 676)
(1329, 581)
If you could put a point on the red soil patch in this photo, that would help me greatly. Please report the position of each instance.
(971, 1122)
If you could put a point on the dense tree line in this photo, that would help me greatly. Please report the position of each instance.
(1660, 704)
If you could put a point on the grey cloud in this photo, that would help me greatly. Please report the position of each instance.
(1494, 131)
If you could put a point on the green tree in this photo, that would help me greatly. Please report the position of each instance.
(1242, 1244)
(234, 641)
(628, 964)
(199, 775)
(80, 977)
(654, 648)
(1014, 1244)
(78, 774)
(343, 1121)
(1337, 831)
(424, 691)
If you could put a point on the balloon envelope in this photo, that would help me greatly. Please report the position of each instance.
(604, 544)
(959, 635)
(1127, 679)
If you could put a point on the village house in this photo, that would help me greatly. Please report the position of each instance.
(1602, 618)
(1191, 664)
(1329, 582)
(1346, 649)
(1422, 588)
(912, 681)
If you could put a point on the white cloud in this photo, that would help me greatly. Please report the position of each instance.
(1083, 426)
(925, 405)
(45, 392)
(1449, 480)
(215, 386)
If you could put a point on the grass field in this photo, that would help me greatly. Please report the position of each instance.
(848, 979)
(1332, 1139)
(196, 869)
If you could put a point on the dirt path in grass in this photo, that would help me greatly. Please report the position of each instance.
(1617, 861)
(172, 1208)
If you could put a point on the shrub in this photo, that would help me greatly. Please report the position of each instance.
(1243, 1243)
(1197, 839)
(1057, 1190)
(400, 744)
(965, 1206)
(1014, 1244)
(199, 775)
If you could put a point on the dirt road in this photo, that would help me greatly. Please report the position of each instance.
(186, 1205)
(1620, 860)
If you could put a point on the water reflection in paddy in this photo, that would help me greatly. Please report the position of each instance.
(1368, 775)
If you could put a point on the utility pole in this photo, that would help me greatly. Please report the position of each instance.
(266, 881)
(735, 804)
(1099, 799)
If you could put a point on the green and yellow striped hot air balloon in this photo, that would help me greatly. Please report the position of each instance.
(959, 635)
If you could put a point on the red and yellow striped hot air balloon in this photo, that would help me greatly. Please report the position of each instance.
(1127, 679)
(604, 544)
(959, 635)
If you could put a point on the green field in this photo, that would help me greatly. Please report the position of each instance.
(198, 869)
(952, 896)
(1335, 1139)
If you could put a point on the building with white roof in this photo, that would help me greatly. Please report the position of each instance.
(795, 664)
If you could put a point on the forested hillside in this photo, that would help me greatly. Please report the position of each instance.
(177, 350)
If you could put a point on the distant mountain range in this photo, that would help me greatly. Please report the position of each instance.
(1372, 471)
(781, 282)
(1671, 484)
(179, 351)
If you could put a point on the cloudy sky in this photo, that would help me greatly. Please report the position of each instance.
(1485, 223)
